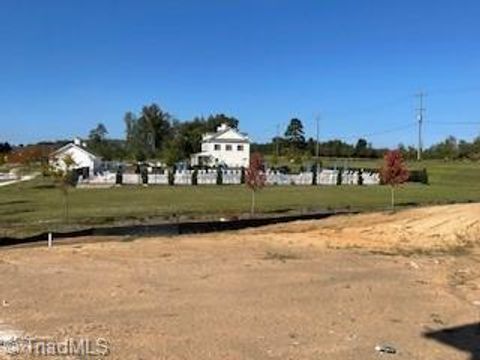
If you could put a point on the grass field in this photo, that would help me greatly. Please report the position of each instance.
(38, 206)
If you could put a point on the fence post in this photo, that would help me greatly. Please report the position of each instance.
(50, 240)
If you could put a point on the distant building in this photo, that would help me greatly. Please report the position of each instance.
(226, 147)
(86, 162)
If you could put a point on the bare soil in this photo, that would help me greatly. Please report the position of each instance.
(329, 289)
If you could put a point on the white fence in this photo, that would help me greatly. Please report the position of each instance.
(304, 178)
(183, 177)
(8, 177)
(231, 177)
(278, 178)
(371, 178)
(350, 177)
(207, 177)
(131, 179)
(158, 179)
(101, 179)
(327, 177)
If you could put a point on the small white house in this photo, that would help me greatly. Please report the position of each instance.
(83, 158)
(227, 147)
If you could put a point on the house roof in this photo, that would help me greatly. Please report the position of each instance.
(72, 145)
(201, 154)
(242, 137)
(228, 141)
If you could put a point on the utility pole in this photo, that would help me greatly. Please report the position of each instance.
(420, 117)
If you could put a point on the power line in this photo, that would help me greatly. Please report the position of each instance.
(365, 110)
(454, 122)
(377, 133)
(447, 91)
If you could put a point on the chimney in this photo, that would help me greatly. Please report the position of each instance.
(222, 127)
(77, 141)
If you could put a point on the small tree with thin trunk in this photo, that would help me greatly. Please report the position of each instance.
(64, 180)
(255, 177)
(394, 172)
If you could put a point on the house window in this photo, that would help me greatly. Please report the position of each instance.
(239, 147)
(228, 147)
(217, 147)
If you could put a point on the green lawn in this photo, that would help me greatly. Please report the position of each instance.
(37, 206)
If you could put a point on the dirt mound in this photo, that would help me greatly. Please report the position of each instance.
(270, 293)
(433, 229)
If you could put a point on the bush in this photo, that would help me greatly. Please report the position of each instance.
(339, 176)
(144, 175)
(195, 177)
(171, 175)
(418, 176)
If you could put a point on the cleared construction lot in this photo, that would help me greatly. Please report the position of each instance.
(329, 289)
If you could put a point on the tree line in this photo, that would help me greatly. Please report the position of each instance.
(154, 133)
(452, 149)
(294, 145)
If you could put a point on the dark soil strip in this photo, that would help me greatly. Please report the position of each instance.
(170, 229)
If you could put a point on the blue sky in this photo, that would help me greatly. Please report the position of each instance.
(67, 65)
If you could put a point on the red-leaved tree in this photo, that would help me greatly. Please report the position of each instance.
(394, 172)
(255, 177)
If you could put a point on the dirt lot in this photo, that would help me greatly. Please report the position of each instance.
(330, 289)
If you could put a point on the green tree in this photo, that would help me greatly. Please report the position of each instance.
(98, 135)
(97, 140)
(147, 135)
(214, 121)
(295, 133)
(156, 126)
(447, 149)
(5, 148)
(295, 136)
(361, 148)
(186, 137)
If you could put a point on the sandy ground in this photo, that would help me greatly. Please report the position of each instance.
(330, 289)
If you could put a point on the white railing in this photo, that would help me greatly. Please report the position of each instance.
(327, 177)
(371, 178)
(350, 177)
(207, 177)
(231, 177)
(304, 178)
(131, 179)
(183, 177)
(8, 177)
(158, 179)
(277, 178)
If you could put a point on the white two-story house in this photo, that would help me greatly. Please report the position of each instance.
(226, 147)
